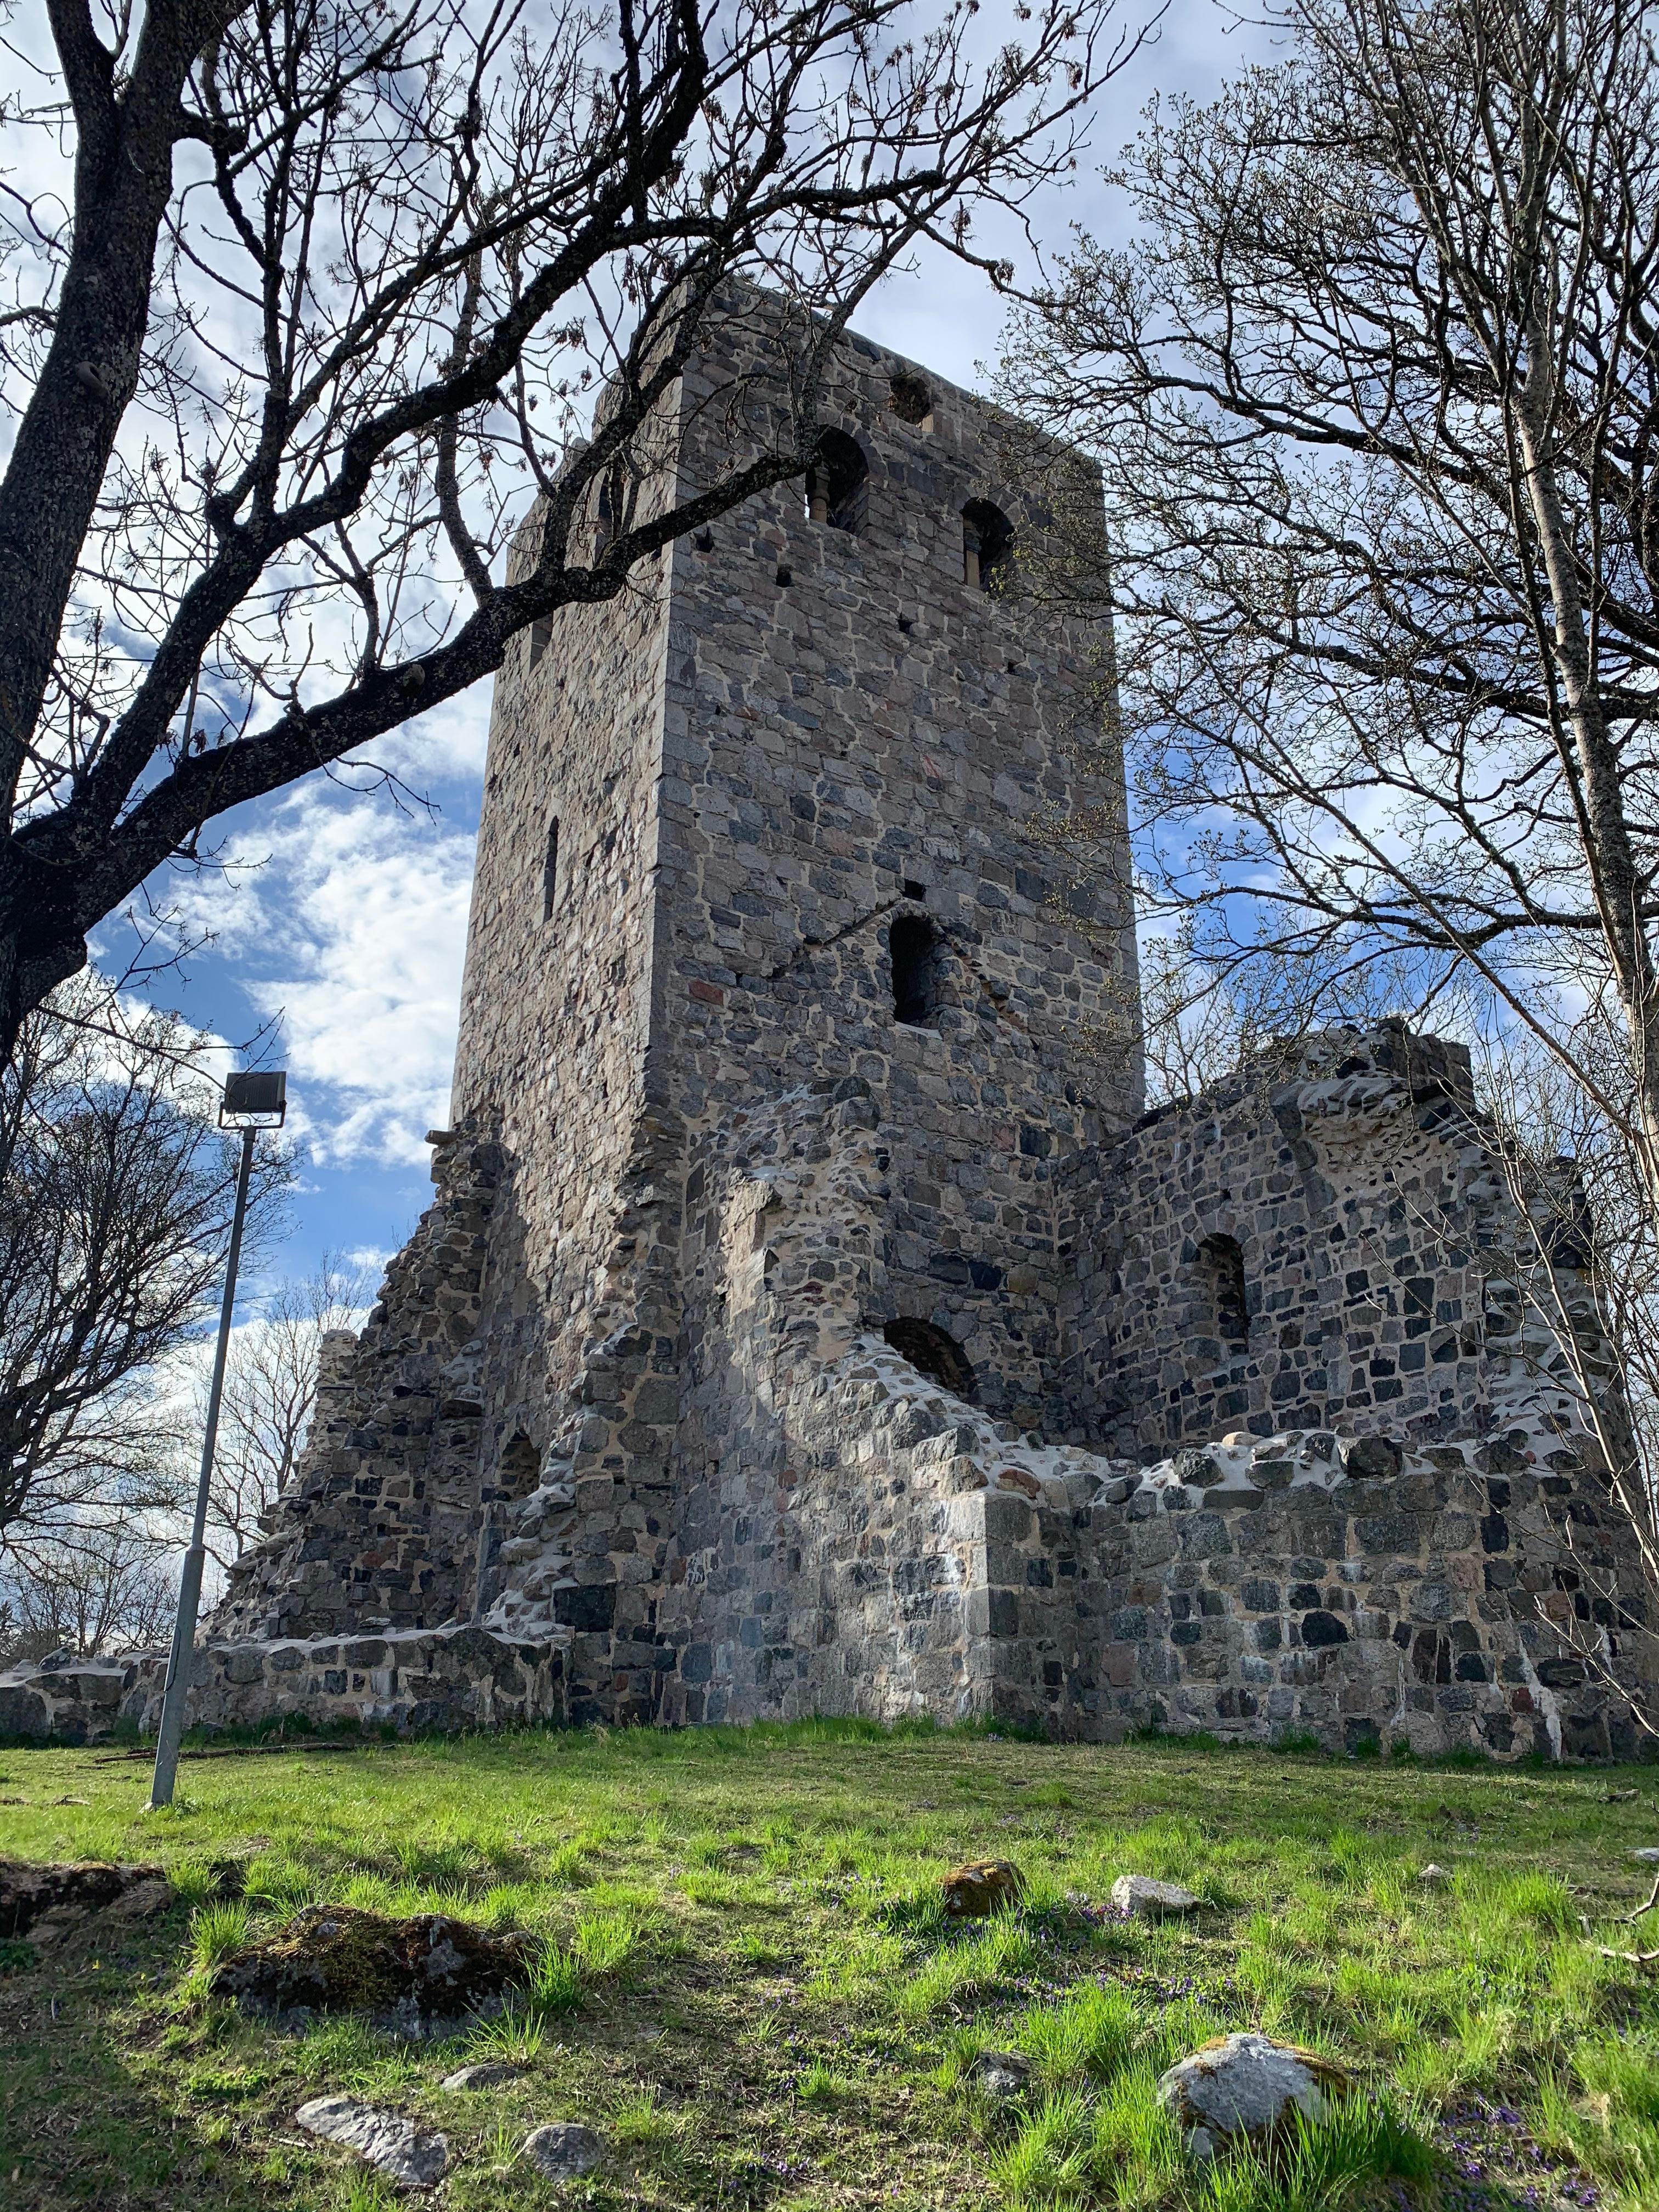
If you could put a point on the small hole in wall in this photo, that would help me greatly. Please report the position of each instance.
(704, 541)
(914, 890)
(934, 1354)
(910, 399)
(905, 622)
(785, 576)
(551, 871)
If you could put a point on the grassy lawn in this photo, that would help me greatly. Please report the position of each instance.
(750, 1989)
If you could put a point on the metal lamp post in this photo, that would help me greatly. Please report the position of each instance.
(254, 1100)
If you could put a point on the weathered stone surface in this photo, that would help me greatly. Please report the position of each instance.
(980, 1888)
(482, 2073)
(564, 2151)
(1148, 1899)
(410, 2157)
(1434, 1877)
(1001, 2074)
(407, 1975)
(1246, 2086)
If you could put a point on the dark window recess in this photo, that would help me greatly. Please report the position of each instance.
(913, 889)
(541, 636)
(916, 952)
(909, 398)
(520, 1468)
(837, 483)
(1221, 1271)
(987, 545)
(932, 1353)
(607, 509)
(551, 871)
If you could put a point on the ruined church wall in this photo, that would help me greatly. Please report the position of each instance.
(379, 1521)
(1365, 1208)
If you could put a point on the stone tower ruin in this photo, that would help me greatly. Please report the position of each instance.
(809, 1319)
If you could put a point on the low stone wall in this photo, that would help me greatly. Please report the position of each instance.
(445, 1679)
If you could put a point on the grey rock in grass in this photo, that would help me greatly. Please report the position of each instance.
(1002, 2075)
(1145, 1898)
(1434, 1877)
(564, 2151)
(1246, 2085)
(406, 2154)
(1649, 1852)
(482, 2073)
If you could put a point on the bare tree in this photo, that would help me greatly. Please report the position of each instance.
(116, 1195)
(271, 1391)
(1376, 394)
(321, 301)
(103, 1584)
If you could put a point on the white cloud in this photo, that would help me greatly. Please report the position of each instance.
(347, 919)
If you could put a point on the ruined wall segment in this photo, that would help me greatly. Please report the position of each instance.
(1349, 1184)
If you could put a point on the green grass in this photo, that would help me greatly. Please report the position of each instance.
(744, 1980)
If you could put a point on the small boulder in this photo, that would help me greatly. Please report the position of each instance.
(1648, 1853)
(1145, 1899)
(483, 2074)
(981, 1888)
(1246, 2085)
(562, 2152)
(1434, 1877)
(409, 2157)
(1002, 2075)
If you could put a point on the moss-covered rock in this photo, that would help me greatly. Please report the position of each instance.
(413, 1976)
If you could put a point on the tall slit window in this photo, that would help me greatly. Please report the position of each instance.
(916, 952)
(550, 871)
(837, 483)
(1221, 1279)
(987, 545)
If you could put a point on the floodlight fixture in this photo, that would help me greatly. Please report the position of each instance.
(255, 1098)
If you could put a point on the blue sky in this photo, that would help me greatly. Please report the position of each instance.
(339, 920)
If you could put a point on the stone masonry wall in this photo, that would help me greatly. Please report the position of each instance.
(1371, 1217)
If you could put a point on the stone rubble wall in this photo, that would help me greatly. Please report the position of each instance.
(379, 1522)
(448, 1678)
(1352, 1589)
(1378, 1238)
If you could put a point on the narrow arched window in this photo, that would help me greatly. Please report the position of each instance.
(519, 1468)
(837, 482)
(540, 637)
(914, 948)
(1222, 1288)
(934, 1354)
(550, 871)
(987, 545)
